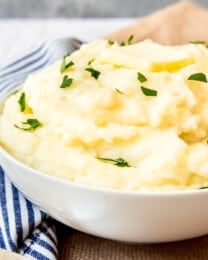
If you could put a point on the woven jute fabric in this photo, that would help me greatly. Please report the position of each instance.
(176, 24)
(74, 245)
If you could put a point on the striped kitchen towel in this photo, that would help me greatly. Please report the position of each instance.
(24, 228)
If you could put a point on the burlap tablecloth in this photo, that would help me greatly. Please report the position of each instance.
(74, 245)
(177, 24)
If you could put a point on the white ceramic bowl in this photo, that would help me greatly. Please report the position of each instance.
(125, 216)
(137, 217)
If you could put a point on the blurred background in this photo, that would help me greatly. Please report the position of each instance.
(81, 8)
(25, 24)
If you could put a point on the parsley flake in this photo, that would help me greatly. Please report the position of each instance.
(120, 162)
(22, 102)
(32, 124)
(198, 42)
(14, 92)
(198, 77)
(64, 65)
(119, 91)
(66, 82)
(141, 77)
(149, 92)
(130, 39)
(90, 62)
(94, 73)
(203, 187)
(111, 42)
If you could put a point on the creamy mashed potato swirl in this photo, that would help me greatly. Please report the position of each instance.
(136, 119)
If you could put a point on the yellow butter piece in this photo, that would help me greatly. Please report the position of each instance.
(149, 56)
(28, 110)
(171, 66)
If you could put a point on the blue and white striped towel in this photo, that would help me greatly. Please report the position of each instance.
(24, 228)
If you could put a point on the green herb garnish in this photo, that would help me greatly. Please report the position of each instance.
(22, 102)
(141, 77)
(32, 124)
(66, 82)
(119, 91)
(118, 162)
(94, 73)
(110, 42)
(148, 91)
(90, 62)
(64, 65)
(130, 39)
(198, 77)
(14, 92)
(198, 42)
(203, 187)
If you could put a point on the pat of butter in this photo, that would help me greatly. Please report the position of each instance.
(148, 56)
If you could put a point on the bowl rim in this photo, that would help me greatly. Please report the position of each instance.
(120, 192)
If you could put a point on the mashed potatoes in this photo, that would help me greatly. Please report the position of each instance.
(131, 117)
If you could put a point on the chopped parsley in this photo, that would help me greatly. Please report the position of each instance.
(149, 92)
(198, 42)
(130, 39)
(14, 92)
(22, 102)
(94, 73)
(65, 65)
(110, 42)
(90, 62)
(119, 91)
(31, 123)
(198, 77)
(66, 82)
(141, 77)
(203, 187)
(118, 162)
